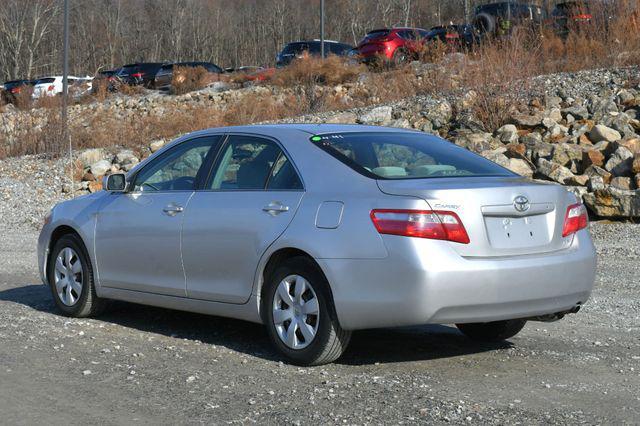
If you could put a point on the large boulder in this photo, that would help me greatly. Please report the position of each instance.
(99, 168)
(91, 156)
(440, 114)
(598, 171)
(592, 157)
(565, 154)
(476, 142)
(126, 159)
(578, 112)
(528, 120)
(378, 115)
(507, 133)
(620, 163)
(622, 183)
(603, 133)
(614, 203)
(156, 145)
(552, 171)
(520, 167)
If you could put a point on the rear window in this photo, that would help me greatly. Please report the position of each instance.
(45, 80)
(395, 155)
(376, 34)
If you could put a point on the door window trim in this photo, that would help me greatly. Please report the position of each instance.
(220, 152)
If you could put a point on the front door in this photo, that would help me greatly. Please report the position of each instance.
(247, 203)
(138, 232)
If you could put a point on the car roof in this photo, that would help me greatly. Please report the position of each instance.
(278, 130)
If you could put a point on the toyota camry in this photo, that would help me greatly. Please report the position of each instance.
(319, 230)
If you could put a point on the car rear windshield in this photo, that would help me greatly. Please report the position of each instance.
(397, 155)
(45, 80)
(376, 34)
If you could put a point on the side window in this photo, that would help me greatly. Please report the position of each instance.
(248, 163)
(177, 169)
(283, 175)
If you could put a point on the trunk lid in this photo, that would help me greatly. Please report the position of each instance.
(503, 216)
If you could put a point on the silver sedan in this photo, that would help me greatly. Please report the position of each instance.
(319, 230)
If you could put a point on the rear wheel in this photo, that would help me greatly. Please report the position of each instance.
(299, 314)
(71, 278)
(400, 57)
(496, 331)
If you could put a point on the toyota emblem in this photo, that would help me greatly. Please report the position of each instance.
(521, 203)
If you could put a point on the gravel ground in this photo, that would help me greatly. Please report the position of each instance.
(149, 365)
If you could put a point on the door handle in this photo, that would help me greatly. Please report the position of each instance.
(173, 209)
(275, 208)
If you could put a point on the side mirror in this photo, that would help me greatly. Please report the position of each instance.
(116, 182)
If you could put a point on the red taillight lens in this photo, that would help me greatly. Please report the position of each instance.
(15, 90)
(137, 75)
(575, 219)
(50, 88)
(452, 36)
(435, 225)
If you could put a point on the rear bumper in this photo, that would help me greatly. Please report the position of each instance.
(425, 281)
(372, 52)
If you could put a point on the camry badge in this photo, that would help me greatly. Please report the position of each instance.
(521, 203)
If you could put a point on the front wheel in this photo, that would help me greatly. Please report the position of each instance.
(299, 314)
(496, 331)
(70, 277)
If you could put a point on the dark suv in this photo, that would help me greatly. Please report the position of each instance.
(312, 47)
(459, 37)
(500, 18)
(164, 76)
(13, 88)
(571, 16)
(143, 73)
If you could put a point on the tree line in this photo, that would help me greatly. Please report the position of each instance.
(108, 33)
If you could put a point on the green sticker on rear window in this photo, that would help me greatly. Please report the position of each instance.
(316, 138)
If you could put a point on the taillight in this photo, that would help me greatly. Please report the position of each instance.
(15, 90)
(137, 75)
(452, 36)
(435, 225)
(575, 219)
(50, 88)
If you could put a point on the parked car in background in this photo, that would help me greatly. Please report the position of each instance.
(164, 76)
(572, 16)
(460, 37)
(109, 78)
(246, 69)
(139, 74)
(393, 45)
(298, 49)
(53, 85)
(319, 230)
(14, 87)
(500, 18)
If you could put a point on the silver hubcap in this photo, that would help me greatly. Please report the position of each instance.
(296, 313)
(68, 276)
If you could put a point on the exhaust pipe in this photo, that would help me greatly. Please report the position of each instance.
(556, 316)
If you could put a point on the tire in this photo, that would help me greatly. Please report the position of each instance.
(82, 302)
(329, 340)
(485, 23)
(400, 57)
(492, 331)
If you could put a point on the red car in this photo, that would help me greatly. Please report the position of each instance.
(396, 45)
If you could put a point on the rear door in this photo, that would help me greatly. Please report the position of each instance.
(248, 201)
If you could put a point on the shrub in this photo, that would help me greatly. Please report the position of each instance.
(188, 79)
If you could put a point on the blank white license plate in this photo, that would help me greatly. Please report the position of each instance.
(518, 232)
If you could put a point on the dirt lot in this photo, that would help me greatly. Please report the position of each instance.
(148, 365)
